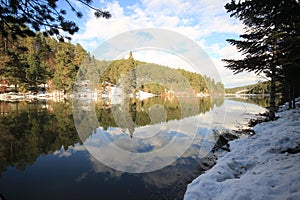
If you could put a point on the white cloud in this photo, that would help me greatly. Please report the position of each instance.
(163, 58)
(103, 28)
(194, 19)
(228, 51)
(202, 17)
(231, 80)
(160, 4)
(78, 4)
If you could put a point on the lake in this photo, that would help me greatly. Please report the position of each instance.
(140, 149)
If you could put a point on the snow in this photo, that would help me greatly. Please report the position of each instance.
(144, 95)
(264, 166)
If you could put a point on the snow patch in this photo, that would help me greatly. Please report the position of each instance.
(264, 166)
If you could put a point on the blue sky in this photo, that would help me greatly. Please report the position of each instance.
(203, 21)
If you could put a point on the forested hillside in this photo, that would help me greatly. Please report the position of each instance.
(31, 63)
(258, 88)
(156, 79)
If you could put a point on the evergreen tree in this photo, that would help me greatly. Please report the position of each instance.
(267, 25)
(129, 78)
(67, 63)
(290, 48)
(38, 70)
(14, 71)
(13, 60)
(64, 69)
(16, 14)
(34, 73)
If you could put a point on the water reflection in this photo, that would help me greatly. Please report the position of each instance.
(42, 157)
(140, 111)
(143, 136)
(29, 130)
(261, 100)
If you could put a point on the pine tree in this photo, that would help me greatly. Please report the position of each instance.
(68, 59)
(17, 14)
(13, 60)
(129, 78)
(267, 26)
(38, 71)
(291, 57)
(64, 76)
(34, 73)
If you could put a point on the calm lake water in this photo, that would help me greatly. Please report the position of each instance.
(43, 157)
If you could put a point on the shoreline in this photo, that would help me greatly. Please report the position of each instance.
(13, 96)
(263, 166)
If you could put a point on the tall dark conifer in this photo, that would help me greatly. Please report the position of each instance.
(267, 25)
(290, 54)
(44, 16)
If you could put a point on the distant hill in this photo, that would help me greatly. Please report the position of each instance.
(157, 78)
(257, 88)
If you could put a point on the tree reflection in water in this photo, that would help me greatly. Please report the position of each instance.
(41, 129)
(140, 111)
(31, 129)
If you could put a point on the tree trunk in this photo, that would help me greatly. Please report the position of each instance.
(16, 87)
(293, 95)
(272, 97)
(289, 96)
(272, 87)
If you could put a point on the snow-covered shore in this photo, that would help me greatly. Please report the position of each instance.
(58, 96)
(13, 96)
(264, 166)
